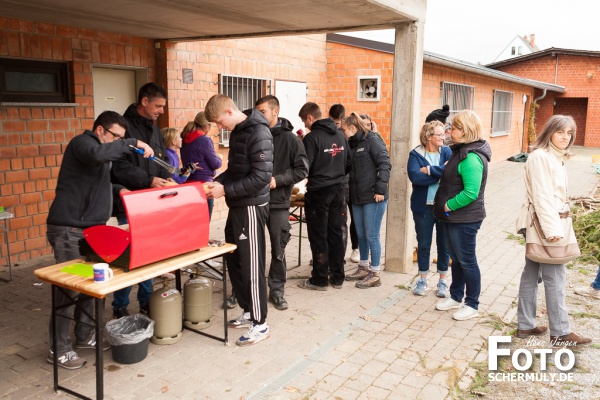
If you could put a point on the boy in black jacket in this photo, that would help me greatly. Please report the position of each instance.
(290, 166)
(83, 198)
(327, 151)
(245, 185)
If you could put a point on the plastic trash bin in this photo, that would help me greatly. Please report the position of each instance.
(128, 337)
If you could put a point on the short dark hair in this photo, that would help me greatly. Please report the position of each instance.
(151, 91)
(310, 108)
(337, 111)
(272, 100)
(109, 118)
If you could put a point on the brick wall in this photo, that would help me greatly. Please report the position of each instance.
(345, 63)
(580, 75)
(293, 58)
(33, 139)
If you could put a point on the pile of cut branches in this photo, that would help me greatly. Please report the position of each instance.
(586, 222)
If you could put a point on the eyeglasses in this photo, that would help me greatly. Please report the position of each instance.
(438, 134)
(115, 136)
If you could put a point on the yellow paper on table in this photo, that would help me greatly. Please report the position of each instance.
(80, 269)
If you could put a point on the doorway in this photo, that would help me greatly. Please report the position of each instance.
(114, 89)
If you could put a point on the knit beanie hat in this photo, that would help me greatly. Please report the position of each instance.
(439, 114)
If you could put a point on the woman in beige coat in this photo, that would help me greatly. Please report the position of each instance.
(546, 184)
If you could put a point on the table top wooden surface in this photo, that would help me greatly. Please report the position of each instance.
(122, 279)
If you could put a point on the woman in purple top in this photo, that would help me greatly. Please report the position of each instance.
(198, 148)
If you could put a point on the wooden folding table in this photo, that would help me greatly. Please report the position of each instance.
(122, 279)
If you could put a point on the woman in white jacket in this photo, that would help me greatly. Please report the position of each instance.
(546, 184)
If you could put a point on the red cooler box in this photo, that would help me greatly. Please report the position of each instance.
(163, 223)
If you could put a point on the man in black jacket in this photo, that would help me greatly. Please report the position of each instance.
(327, 151)
(290, 166)
(136, 172)
(83, 199)
(245, 185)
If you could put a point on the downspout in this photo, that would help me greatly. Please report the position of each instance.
(556, 69)
(541, 97)
(534, 106)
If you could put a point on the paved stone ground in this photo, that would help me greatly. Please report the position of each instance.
(381, 343)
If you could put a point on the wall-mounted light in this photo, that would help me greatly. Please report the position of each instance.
(590, 75)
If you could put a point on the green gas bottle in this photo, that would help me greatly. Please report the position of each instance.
(197, 303)
(166, 311)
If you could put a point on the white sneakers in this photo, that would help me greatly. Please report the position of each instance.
(588, 291)
(355, 256)
(447, 304)
(464, 313)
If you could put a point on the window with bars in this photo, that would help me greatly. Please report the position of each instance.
(458, 97)
(501, 112)
(244, 92)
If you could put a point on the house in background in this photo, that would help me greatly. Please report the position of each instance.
(578, 71)
(519, 46)
(501, 100)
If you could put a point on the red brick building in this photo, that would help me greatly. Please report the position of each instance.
(34, 134)
(579, 72)
(445, 81)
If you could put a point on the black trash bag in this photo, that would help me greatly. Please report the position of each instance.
(131, 329)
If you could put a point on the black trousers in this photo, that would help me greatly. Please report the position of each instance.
(245, 227)
(279, 234)
(324, 208)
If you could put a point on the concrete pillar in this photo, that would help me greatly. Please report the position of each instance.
(406, 100)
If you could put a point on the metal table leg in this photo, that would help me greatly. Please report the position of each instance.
(99, 321)
(6, 216)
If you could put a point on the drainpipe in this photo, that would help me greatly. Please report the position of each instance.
(541, 97)
(556, 69)
(535, 101)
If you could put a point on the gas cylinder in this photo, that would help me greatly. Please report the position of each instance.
(166, 311)
(197, 303)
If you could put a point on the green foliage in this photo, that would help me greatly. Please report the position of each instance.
(531, 133)
(587, 230)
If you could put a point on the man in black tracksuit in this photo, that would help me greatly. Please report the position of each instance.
(84, 198)
(245, 185)
(327, 151)
(136, 172)
(290, 166)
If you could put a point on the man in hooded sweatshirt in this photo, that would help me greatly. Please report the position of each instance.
(290, 166)
(327, 151)
(245, 185)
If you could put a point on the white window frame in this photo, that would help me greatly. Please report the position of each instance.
(501, 113)
(458, 96)
(360, 93)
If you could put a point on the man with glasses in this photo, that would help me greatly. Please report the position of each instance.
(83, 198)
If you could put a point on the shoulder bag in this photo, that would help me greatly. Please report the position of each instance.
(538, 249)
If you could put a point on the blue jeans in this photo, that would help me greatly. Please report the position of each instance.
(211, 203)
(367, 218)
(466, 277)
(424, 224)
(121, 296)
(596, 283)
